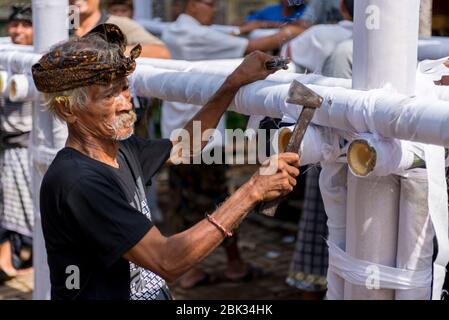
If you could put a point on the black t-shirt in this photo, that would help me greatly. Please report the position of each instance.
(92, 215)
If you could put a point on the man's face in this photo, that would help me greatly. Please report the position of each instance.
(204, 11)
(21, 32)
(86, 7)
(120, 10)
(108, 114)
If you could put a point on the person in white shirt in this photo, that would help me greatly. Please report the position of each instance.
(191, 38)
(310, 50)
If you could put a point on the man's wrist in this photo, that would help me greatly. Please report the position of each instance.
(233, 82)
(254, 196)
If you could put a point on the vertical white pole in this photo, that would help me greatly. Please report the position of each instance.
(385, 52)
(143, 9)
(49, 25)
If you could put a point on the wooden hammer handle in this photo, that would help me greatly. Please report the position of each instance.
(294, 145)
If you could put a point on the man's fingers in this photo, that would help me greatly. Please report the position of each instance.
(292, 171)
(290, 157)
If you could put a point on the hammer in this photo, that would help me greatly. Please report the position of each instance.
(301, 95)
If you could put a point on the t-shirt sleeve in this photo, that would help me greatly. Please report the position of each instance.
(152, 154)
(106, 219)
(134, 32)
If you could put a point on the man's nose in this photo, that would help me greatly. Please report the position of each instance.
(124, 102)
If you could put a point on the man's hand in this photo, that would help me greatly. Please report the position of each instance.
(276, 178)
(252, 69)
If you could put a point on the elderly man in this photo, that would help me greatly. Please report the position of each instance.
(95, 218)
(16, 206)
(91, 15)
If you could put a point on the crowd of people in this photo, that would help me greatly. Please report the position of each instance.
(103, 170)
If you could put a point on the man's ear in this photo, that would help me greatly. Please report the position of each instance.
(64, 110)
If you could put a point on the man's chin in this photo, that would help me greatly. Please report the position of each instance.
(124, 136)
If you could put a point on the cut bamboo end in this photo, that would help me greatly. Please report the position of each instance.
(13, 89)
(3, 81)
(285, 135)
(362, 158)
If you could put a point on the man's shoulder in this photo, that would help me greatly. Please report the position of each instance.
(70, 167)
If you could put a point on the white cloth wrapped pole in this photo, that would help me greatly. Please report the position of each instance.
(17, 61)
(333, 186)
(226, 67)
(433, 47)
(5, 40)
(260, 98)
(48, 133)
(380, 111)
(415, 235)
(15, 47)
(385, 55)
(22, 88)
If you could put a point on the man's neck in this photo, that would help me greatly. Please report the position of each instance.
(98, 149)
(87, 23)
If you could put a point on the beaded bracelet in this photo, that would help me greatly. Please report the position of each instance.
(226, 233)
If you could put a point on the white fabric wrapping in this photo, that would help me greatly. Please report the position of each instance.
(22, 88)
(333, 186)
(433, 47)
(5, 40)
(15, 47)
(385, 52)
(438, 210)
(358, 272)
(379, 111)
(415, 234)
(226, 67)
(372, 235)
(17, 61)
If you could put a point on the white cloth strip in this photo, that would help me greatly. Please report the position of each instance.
(367, 274)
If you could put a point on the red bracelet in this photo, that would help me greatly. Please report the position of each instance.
(226, 233)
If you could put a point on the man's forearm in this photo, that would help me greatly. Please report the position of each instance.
(190, 247)
(209, 116)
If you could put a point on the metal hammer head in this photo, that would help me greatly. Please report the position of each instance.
(301, 95)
